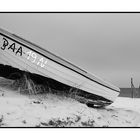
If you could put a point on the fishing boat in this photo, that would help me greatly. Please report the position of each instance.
(27, 56)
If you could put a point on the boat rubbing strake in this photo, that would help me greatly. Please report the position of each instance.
(24, 55)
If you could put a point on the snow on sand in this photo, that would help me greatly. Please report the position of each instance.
(49, 110)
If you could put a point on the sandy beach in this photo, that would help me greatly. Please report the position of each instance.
(49, 110)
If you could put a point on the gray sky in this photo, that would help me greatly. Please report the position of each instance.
(107, 45)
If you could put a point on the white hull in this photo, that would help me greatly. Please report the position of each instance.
(36, 60)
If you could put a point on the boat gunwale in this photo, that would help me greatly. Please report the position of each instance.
(27, 44)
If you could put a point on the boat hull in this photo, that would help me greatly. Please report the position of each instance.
(24, 56)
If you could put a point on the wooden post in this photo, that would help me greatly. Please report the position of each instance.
(139, 91)
(132, 88)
